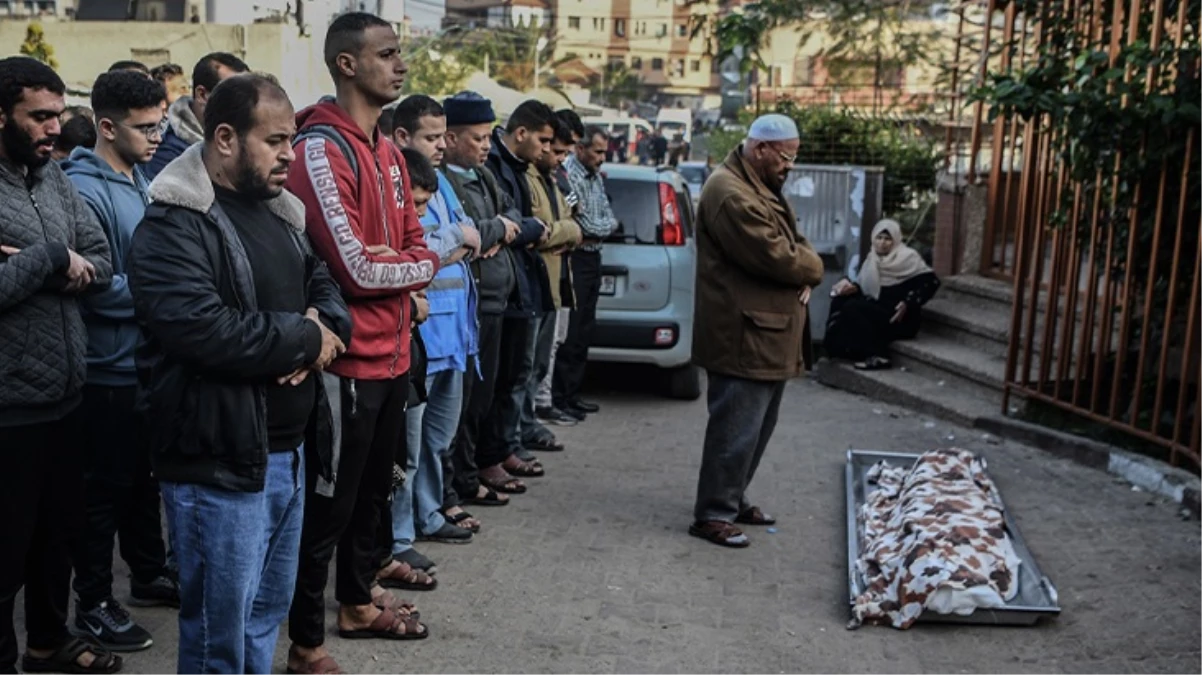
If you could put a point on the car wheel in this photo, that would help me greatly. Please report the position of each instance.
(685, 383)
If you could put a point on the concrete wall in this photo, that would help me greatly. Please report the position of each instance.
(85, 49)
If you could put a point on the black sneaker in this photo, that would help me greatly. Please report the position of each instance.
(575, 413)
(110, 626)
(585, 406)
(163, 591)
(553, 415)
(449, 534)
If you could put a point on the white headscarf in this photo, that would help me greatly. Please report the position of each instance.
(900, 264)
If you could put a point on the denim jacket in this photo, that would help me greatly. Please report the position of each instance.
(451, 332)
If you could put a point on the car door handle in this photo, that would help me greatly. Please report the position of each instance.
(615, 270)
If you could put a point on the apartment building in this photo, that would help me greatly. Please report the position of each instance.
(498, 13)
(650, 37)
(36, 8)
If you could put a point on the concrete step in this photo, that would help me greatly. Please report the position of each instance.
(910, 389)
(950, 360)
(991, 293)
(983, 325)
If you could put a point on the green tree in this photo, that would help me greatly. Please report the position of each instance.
(435, 69)
(509, 54)
(868, 39)
(37, 47)
(617, 85)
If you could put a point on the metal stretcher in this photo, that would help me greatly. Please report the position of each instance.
(1036, 598)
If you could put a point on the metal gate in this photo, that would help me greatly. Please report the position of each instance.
(1105, 267)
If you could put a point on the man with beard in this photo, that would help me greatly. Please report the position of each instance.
(51, 250)
(361, 218)
(240, 318)
(122, 496)
(184, 116)
(754, 276)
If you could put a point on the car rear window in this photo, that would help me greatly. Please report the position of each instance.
(636, 206)
(692, 174)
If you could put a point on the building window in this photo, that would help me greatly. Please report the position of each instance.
(695, 66)
(803, 71)
(599, 23)
(663, 30)
(657, 64)
(616, 62)
(574, 22)
(682, 30)
(570, 55)
(620, 27)
(677, 67)
(636, 63)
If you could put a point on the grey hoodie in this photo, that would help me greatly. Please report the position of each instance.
(183, 131)
(42, 336)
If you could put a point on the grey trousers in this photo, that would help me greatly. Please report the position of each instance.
(742, 417)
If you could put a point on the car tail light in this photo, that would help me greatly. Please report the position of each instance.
(671, 227)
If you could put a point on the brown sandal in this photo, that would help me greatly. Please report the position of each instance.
(326, 665)
(752, 515)
(497, 478)
(516, 466)
(721, 533)
(386, 600)
(385, 627)
(406, 578)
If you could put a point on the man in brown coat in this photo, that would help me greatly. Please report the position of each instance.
(754, 275)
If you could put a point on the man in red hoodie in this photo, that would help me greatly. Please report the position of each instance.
(361, 220)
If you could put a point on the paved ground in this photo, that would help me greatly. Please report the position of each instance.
(592, 571)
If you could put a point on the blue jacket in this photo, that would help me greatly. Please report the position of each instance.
(119, 204)
(452, 331)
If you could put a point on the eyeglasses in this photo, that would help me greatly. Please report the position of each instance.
(150, 131)
(789, 159)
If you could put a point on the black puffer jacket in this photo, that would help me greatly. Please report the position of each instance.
(209, 354)
(42, 336)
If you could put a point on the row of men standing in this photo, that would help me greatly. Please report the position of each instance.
(274, 361)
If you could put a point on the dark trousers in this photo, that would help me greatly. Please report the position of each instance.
(742, 417)
(572, 357)
(40, 508)
(452, 459)
(499, 436)
(121, 493)
(372, 415)
(478, 398)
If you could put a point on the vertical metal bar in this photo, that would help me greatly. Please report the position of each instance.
(1016, 309)
(1132, 230)
(1103, 344)
(1035, 253)
(1072, 287)
(978, 110)
(1000, 160)
(1091, 293)
(1149, 283)
(1187, 353)
(1053, 301)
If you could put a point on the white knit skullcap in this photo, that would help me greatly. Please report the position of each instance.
(773, 127)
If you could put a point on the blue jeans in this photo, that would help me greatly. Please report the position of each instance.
(430, 428)
(238, 555)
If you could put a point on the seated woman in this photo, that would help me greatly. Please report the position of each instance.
(886, 304)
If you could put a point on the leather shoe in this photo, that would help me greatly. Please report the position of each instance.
(585, 406)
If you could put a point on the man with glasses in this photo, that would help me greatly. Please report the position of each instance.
(754, 276)
(122, 498)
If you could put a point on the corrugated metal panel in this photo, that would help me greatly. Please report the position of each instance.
(830, 204)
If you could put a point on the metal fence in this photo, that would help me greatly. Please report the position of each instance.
(1105, 266)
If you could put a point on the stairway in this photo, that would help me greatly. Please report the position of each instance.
(955, 368)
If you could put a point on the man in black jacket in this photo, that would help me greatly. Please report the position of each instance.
(524, 139)
(239, 316)
(479, 476)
